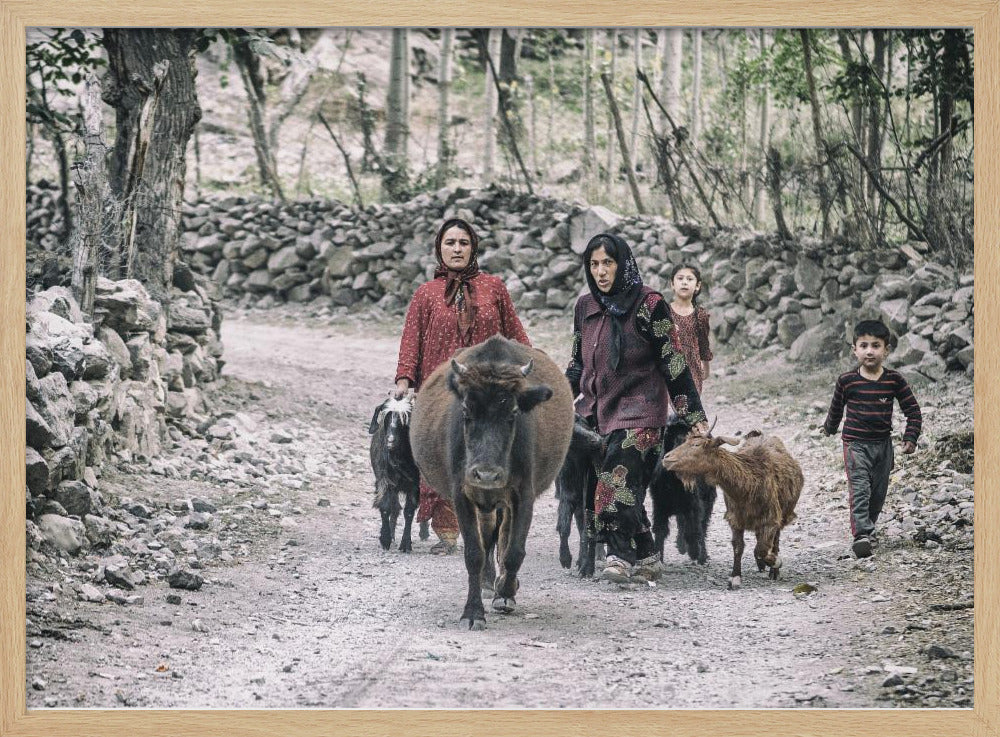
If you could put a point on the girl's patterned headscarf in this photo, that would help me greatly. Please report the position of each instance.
(625, 289)
(459, 289)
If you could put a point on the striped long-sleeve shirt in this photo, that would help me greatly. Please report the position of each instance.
(869, 406)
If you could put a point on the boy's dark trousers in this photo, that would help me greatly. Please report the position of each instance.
(868, 464)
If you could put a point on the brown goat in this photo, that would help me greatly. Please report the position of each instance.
(761, 483)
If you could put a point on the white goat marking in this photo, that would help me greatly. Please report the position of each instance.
(403, 407)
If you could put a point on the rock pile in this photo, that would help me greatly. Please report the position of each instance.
(802, 296)
(109, 390)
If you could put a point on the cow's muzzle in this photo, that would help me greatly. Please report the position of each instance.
(487, 477)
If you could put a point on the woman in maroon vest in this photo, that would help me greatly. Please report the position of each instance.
(625, 368)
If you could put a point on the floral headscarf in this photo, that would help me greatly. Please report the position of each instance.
(625, 289)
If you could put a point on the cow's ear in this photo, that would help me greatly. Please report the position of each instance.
(453, 383)
(532, 397)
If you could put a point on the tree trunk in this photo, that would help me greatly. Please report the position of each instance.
(589, 137)
(824, 197)
(636, 96)
(617, 121)
(249, 67)
(397, 128)
(444, 114)
(950, 75)
(92, 198)
(529, 90)
(856, 111)
(611, 167)
(134, 55)
(774, 182)
(764, 117)
(696, 90)
(492, 101)
(875, 116)
(673, 65)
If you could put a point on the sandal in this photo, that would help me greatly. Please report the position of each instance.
(444, 547)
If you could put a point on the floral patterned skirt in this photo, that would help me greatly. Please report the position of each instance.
(620, 518)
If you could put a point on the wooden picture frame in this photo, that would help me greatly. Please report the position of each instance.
(982, 15)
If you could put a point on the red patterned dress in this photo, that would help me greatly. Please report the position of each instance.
(431, 337)
(692, 335)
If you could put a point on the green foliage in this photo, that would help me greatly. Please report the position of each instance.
(53, 67)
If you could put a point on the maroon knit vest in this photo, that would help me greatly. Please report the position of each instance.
(635, 395)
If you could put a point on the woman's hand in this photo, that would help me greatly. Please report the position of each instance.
(400, 389)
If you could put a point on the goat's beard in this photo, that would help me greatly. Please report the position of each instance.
(690, 482)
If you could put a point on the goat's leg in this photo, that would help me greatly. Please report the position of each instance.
(580, 516)
(387, 501)
(775, 560)
(563, 525)
(588, 545)
(409, 509)
(474, 555)
(736, 578)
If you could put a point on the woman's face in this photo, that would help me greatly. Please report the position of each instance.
(456, 248)
(603, 268)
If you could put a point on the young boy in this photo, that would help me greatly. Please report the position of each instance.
(868, 392)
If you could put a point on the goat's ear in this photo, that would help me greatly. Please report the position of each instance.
(374, 423)
(531, 398)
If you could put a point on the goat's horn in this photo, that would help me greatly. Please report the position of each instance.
(526, 368)
(458, 368)
(712, 426)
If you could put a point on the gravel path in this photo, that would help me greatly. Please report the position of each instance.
(301, 608)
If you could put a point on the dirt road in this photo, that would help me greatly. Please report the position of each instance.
(301, 608)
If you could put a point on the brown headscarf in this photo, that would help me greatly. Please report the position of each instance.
(459, 289)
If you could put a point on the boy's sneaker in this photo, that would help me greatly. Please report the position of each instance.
(617, 570)
(648, 569)
(862, 546)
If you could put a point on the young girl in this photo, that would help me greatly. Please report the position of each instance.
(690, 321)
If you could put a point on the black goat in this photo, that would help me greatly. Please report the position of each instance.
(693, 509)
(394, 469)
(575, 486)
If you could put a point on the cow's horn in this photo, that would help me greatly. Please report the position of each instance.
(458, 368)
(526, 368)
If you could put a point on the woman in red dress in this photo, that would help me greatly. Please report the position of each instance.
(459, 307)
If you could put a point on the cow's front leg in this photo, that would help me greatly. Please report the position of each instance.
(474, 555)
(520, 513)
(488, 530)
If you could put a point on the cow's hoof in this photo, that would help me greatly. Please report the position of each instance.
(477, 624)
(504, 605)
(735, 582)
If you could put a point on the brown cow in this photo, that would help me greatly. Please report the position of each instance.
(489, 431)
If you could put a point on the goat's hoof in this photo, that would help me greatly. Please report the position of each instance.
(566, 561)
(735, 582)
(774, 574)
(504, 605)
(425, 531)
(406, 547)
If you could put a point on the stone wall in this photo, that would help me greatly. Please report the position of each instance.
(802, 296)
(112, 389)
